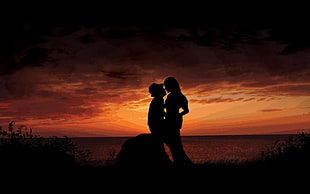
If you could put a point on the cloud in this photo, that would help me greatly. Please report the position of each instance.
(82, 70)
(271, 110)
(217, 100)
(302, 89)
(56, 109)
(35, 56)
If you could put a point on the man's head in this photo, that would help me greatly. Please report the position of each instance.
(157, 90)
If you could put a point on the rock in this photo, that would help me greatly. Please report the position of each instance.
(143, 150)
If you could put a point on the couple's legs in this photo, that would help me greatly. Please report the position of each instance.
(174, 142)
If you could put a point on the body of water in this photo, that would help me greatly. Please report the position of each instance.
(198, 148)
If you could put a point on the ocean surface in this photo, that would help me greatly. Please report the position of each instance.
(233, 148)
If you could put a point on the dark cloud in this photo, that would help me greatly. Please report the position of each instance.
(294, 33)
(118, 74)
(260, 83)
(25, 28)
(25, 33)
(295, 67)
(292, 90)
(86, 39)
(271, 110)
(87, 91)
(35, 56)
(218, 100)
(102, 55)
(59, 107)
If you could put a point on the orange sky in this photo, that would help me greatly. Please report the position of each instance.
(227, 110)
(90, 82)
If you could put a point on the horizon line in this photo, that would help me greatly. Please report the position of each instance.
(265, 134)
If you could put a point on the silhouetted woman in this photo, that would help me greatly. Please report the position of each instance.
(175, 102)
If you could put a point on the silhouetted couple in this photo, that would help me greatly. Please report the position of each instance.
(165, 119)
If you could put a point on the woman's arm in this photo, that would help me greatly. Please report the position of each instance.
(184, 106)
(185, 111)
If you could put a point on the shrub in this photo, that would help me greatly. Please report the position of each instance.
(295, 150)
(22, 147)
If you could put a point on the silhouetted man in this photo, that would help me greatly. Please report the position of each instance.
(156, 111)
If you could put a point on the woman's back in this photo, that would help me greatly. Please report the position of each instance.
(173, 103)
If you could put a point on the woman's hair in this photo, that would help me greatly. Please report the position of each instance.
(172, 84)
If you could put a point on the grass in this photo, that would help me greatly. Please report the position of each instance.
(31, 158)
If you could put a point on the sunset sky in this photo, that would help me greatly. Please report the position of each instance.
(77, 75)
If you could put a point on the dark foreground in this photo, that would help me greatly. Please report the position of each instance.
(284, 167)
(200, 177)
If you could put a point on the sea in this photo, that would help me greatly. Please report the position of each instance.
(201, 149)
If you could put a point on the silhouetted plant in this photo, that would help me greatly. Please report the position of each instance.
(295, 150)
(111, 159)
(22, 146)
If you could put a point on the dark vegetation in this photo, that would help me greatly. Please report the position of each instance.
(24, 154)
(31, 158)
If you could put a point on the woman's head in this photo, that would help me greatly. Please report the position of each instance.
(172, 85)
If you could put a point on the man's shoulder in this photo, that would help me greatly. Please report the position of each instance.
(157, 100)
